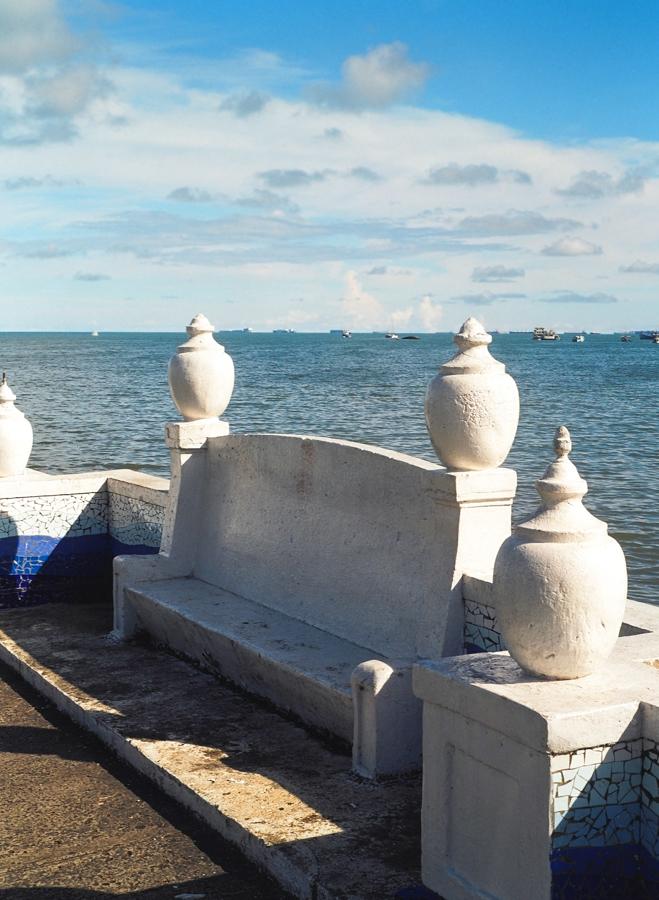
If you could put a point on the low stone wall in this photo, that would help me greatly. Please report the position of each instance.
(58, 534)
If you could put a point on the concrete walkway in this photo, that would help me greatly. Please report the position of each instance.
(282, 796)
(75, 823)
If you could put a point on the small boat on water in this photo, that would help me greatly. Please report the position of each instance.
(392, 336)
(655, 339)
(411, 337)
(94, 334)
(626, 339)
(346, 334)
(578, 339)
(545, 334)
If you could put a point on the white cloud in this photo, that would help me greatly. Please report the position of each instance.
(488, 274)
(191, 195)
(285, 178)
(430, 313)
(474, 174)
(574, 297)
(401, 318)
(641, 268)
(267, 248)
(381, 77)
(47, 83)
(66, 93)
(91, 276)
(359, 308)
(572, 246)
(487, 299)
(33, 33)
(513, 222)
(245, 104)
(593, 185)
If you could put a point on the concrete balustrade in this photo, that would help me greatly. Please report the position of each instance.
(370, 595)
(545, 787)
(316, 572)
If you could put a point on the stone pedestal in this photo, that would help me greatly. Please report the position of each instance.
(187, 445)
(535, 788)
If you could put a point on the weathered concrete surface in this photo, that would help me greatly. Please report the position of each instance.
(286, 799)
(342, 551)
(76, 823)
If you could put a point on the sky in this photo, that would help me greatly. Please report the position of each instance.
(364, 165)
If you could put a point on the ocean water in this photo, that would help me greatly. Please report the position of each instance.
(102, 403)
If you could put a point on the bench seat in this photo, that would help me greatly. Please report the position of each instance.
(302, 669)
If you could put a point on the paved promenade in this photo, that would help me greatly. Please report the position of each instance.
(75, 824)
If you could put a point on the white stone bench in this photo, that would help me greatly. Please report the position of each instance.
(315, 573)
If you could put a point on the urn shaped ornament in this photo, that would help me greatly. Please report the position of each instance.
(15, 434)
(472, 405)
(201, 374)
(560, 581)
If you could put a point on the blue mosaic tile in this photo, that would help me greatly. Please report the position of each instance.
(60, 548)
(602, 873)
(481, 630)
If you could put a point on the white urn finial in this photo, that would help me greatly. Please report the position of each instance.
(560, 580)
(201, 374)
(15, 434)
(472, 405)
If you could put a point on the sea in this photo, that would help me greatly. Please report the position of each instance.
(101, 402)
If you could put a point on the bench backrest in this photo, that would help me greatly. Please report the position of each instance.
(347, 537)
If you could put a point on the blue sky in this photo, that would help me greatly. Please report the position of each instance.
(364, 165)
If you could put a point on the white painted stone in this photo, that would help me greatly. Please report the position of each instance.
(15, 434)
(560, 582)
(472, 405)
(506, 755)
(201, 374)
(363, 548)
(382, 709)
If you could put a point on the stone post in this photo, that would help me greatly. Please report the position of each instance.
(15, 434)
(472, 411)
(472, 405)
(538, 786)
(560, 581)
(201, 379)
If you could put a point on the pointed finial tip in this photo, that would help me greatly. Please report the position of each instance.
(472, 333)
(200, 324)
(562, 442)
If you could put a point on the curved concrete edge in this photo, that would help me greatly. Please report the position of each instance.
(290, 805)
(293, 874)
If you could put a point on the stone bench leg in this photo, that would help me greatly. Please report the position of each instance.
(387, 717)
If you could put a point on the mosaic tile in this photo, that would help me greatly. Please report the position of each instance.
(60, 548)
(481, 631)
(57, 516)
(134, 521)
(597, 795)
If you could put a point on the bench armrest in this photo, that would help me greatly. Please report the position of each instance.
(387, 719)
(130, 570)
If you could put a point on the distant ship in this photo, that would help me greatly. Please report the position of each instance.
(545, 334)
(94, 333)
(578, 339)
(346, 334)
(283, 331)
(392, 336)
(626, 339)
(648, 335)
